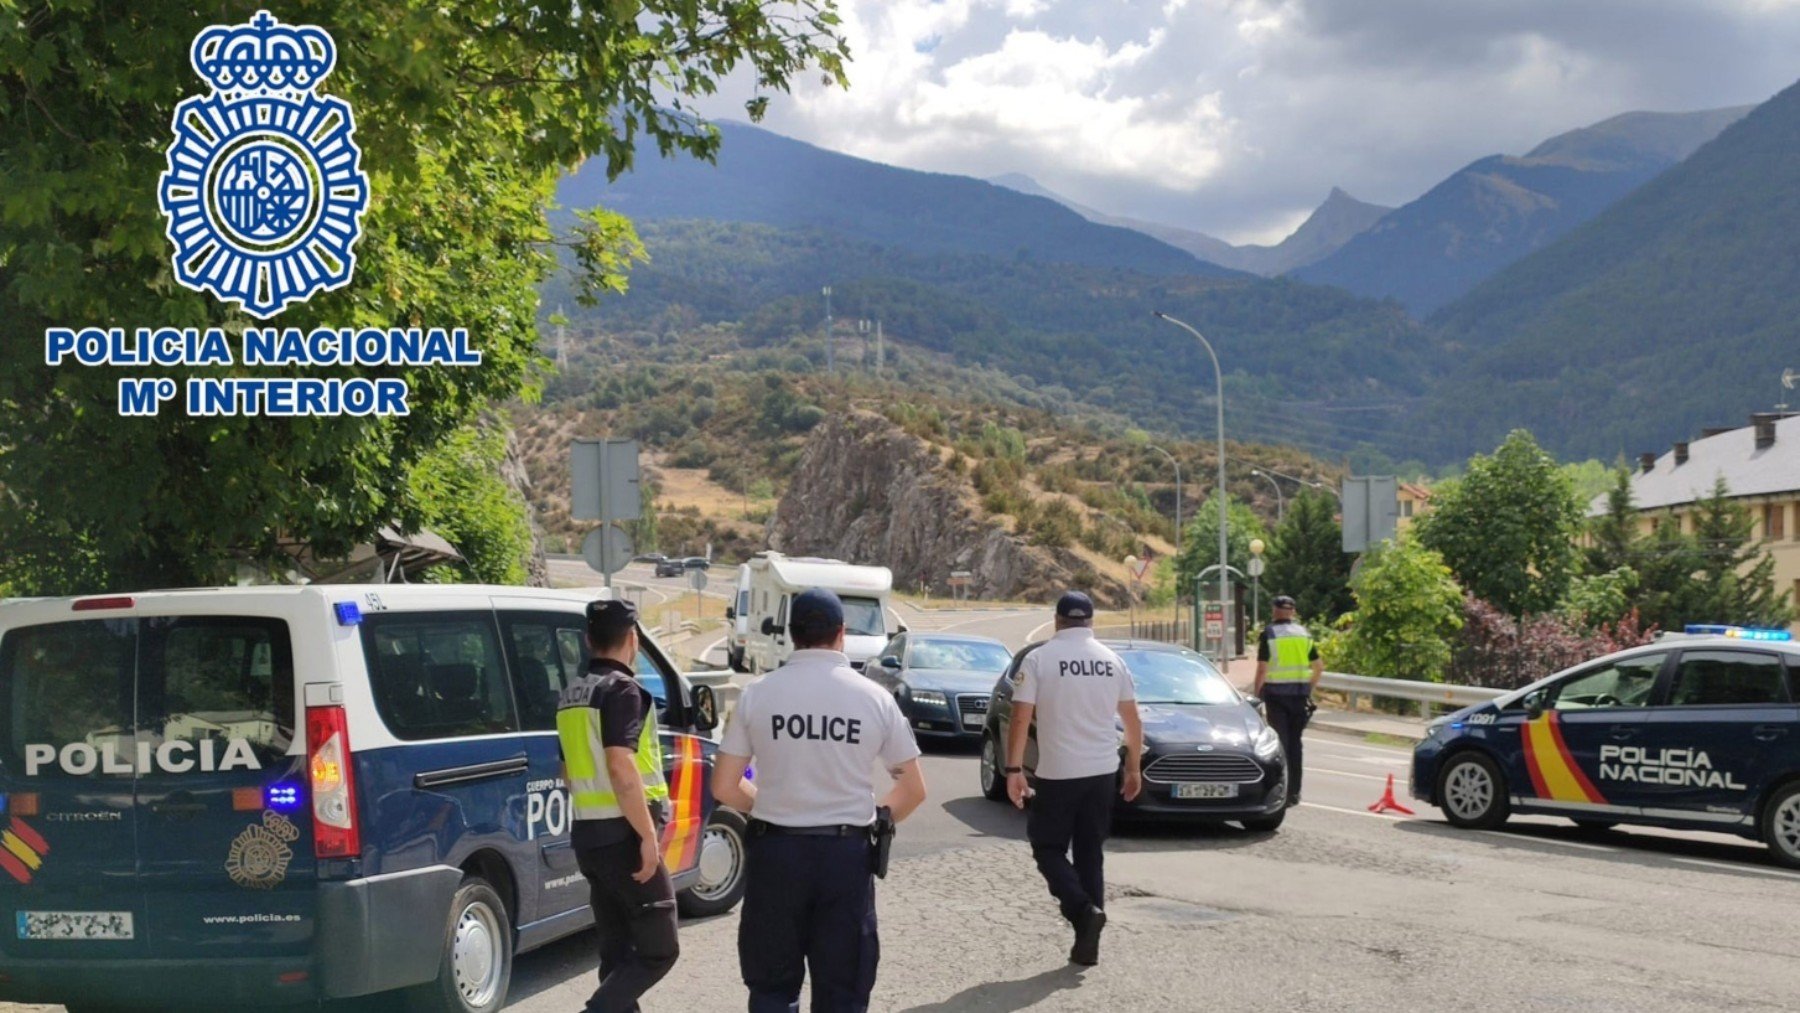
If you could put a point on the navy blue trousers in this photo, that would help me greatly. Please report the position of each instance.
(809, 907)
(1287, 715)
(1072, 816)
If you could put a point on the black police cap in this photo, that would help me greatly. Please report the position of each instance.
(611, 616)
(1075, 605)
(816, 611)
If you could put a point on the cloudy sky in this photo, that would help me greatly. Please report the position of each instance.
(1236, 117)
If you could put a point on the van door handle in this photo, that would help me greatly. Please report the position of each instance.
(1622, 733)
(1768, 733)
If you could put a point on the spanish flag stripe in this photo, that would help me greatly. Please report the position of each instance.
(674, 854)
(30, 837)
(21, 850)
(13, 868)
(690, 749)
(1532, 763)
(1588, 791)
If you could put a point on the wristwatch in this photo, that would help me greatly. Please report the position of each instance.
(1015, 770)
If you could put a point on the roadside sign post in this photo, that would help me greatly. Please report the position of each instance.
(1371, 507)
(604, 486)
(697, 581)
(959, 584)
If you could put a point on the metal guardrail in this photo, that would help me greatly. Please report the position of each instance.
(1426, 694)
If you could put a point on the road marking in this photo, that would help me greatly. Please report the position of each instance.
(712, 647)
(1733, 867)
(1607, 849)
(1309, 769)
(1356, 812)
(1033, 635)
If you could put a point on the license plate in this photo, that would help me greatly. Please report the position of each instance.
(81, 925)
(973, 720)
(1204, 790)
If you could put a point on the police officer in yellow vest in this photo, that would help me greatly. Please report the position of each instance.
(1287, 669)
(612, 761)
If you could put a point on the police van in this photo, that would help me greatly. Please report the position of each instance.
(251, 796)
(1698, 731)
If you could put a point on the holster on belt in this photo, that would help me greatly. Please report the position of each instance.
(881, 835)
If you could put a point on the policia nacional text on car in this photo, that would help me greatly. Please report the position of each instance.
(814, 729)
(1074, 686)
(612, 762)
(1287, 669)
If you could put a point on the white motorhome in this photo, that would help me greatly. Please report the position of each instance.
(739, 615)
(773, 580)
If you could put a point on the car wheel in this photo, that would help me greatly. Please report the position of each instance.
(721, 883)
(1265, 824)
(993, 783)
(478, 955)
(734, 660)
(1781, 825)
(1472, 792)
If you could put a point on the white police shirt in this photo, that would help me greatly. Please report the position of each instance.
(813, 729)
(1076, 683)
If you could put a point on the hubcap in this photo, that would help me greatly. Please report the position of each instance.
(1469, 791)
(1787, 826)
(721, 862)
(989, 768)
(475, 955)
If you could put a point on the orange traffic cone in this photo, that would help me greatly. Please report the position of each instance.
(1387, 803)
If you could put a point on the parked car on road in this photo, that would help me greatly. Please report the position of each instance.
(1699, 731)
(1208, 755)
(942, 680)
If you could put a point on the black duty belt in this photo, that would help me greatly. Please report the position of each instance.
(760, 827)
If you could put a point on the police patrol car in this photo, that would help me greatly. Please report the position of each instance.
(1698, 731)
(262, 795)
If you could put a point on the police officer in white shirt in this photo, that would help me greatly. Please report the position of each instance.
(1075, 687)
(814, 728)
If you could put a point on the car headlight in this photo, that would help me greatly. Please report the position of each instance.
(1266, 743)
(1437, 728)
(929, 697)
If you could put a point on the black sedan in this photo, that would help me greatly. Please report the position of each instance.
(942, 681)
(1208, 754)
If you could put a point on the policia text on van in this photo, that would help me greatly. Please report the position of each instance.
(263, 795)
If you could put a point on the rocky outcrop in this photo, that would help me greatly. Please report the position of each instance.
(866, 491)
(515, 474)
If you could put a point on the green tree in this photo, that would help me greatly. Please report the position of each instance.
(1508, 528)
(1408, 609)
(1735, 582)
(1200, 542)
(1613, 536)
(1307, 558)
(469, 503)
(1665, 562)
(467, 115)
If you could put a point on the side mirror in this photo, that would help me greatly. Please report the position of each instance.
(731, 611)
(706, 709)
(1534, 703)
(1255, 701)
(890, 662)
(769, 629)
(902, 629)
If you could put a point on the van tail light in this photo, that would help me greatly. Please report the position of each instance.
(335, 833)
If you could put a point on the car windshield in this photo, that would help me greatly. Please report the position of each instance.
(960, 655)
(1176, 677)
(862, 617)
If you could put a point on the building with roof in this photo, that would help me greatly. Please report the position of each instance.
(1760, 464)
(1414, 501)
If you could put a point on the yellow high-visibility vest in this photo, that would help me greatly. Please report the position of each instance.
(590, 786)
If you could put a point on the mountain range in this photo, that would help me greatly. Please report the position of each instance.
(1625, 284)
(1332, 224)
(1500, 208)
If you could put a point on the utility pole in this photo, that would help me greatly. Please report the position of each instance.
(880, 357)
(830, 359)
(862, 331)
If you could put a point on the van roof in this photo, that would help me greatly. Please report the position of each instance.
(830, 573)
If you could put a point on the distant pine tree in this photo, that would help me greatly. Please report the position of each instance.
(1736, 576)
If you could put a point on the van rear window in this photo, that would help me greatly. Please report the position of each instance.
(438, 675)
(80, 692)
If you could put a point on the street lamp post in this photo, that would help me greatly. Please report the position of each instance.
(1307, 482)
(1256, 572)
(1177, 465)
(1280, 500)
(1224, 516)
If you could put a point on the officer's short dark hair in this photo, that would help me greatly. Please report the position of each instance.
(814, 618)
(609, 623)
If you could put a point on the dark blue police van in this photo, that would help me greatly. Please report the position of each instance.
(1699, 731)
(259, 796)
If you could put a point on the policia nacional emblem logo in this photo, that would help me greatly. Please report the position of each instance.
(260, 855)
(264, 187)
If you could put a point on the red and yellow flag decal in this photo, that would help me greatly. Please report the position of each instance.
(683, 847)
(22, 850)
(1554, 773)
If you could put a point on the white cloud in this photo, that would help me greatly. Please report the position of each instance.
(1237, 116)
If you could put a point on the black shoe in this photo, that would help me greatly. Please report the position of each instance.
(1086, 951)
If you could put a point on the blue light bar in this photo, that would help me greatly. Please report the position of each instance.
(2, 803)
(283, 797)
(1739, 632)
(347, 613)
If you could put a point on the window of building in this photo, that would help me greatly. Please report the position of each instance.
(1406, 508)
(1774, 520)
